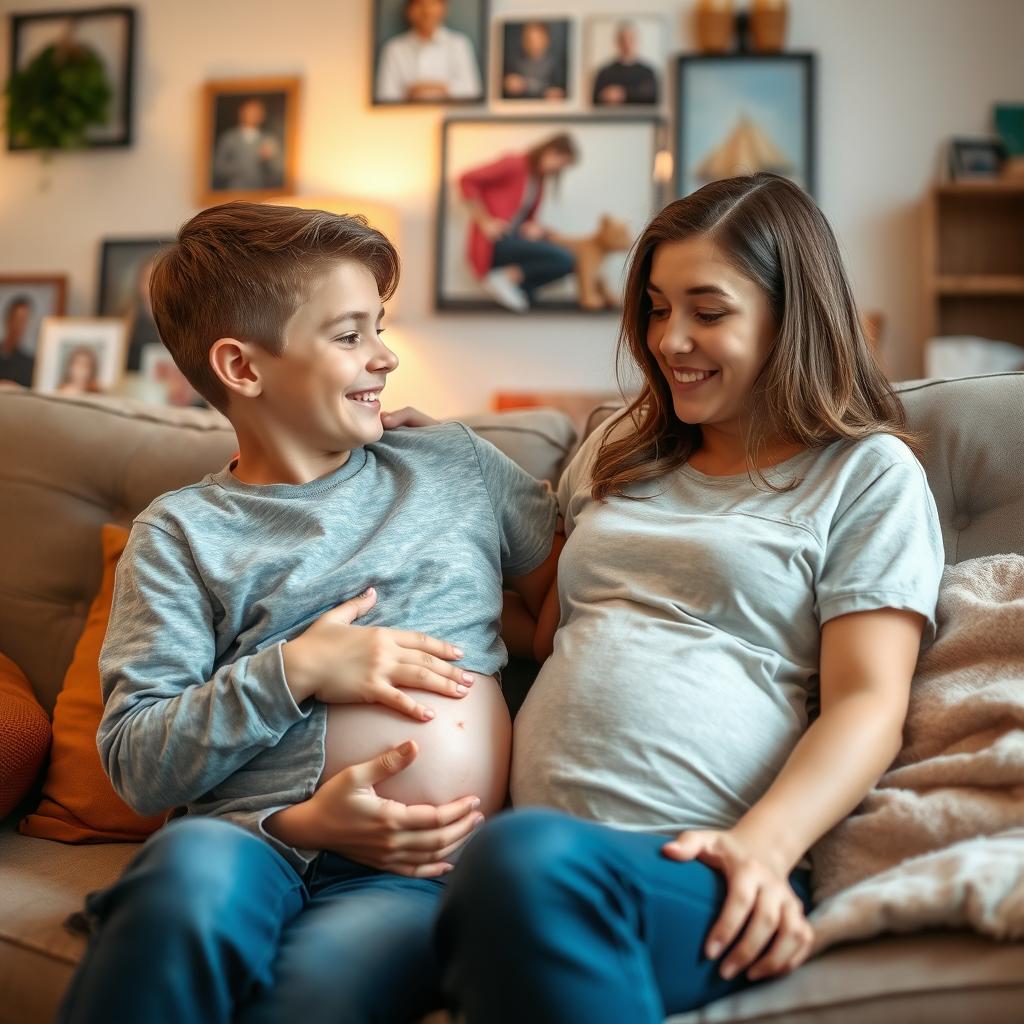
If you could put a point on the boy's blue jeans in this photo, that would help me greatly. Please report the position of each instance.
(210, 924)
(550, 919)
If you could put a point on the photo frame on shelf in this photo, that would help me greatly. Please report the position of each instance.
(527, 220)
(429, 53)
(744, 112)
(80, 355)
(536, 61)
(110, 33)
(975, 158)
(25, 301)
(624, 62)
(249, 139)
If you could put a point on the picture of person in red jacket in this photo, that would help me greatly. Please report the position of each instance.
(510, 252)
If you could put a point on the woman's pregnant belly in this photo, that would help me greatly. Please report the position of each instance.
(463, 751)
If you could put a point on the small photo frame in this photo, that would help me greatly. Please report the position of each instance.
(125, 266)
(625, 61)
(110, 33)
(971, 159)
(527, 220)
(25, 300)
(743, 113)
(249, 141)
(429, 51)
(158, 368)
(80, 355)
(535, 60)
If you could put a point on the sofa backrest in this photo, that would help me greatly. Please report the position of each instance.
(69, 465)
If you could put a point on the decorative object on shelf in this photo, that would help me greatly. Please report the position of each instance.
(80, 355)
(979, 157)
(768, 20)
(743, 113)
(249, 141)
(70, 82)
(625, 60)
(1009, 122)
(516, 192)
(125, 266)
(715, 26)
(25, 299)
(163, 380)
(430, 52)
(535, 60)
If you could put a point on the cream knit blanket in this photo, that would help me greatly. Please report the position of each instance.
(939, 842)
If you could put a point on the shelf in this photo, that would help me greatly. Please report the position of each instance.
(980, 284)
(982, 186)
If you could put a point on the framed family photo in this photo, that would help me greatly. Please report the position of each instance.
(80, 355)
(25, 300)
(430, 51)
(536, 214)
(743, 113)
(109, 33)
(249, 139)
(535, 60)
(625, 60)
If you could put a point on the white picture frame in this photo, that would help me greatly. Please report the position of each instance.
(68, 343)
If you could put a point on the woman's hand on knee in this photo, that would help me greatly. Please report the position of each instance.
(413, 840)
(762, 919)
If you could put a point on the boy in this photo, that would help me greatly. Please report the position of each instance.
(225, 645)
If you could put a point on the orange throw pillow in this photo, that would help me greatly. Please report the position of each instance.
(79, 804)
(24, 736)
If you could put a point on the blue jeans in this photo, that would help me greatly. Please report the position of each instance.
(540, 261)
(209, 923)
(550, 919)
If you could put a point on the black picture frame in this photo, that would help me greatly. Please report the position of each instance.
(561, 32)
(469, 17)
(645, 204)
(124, 72)
(795, 146)
(976, 158)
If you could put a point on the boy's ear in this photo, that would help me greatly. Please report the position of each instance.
(231, 360)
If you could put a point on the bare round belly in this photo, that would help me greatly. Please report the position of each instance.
(463, 751)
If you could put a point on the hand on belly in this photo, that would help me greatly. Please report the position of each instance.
(464, 750)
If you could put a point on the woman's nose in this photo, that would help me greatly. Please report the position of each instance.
(675, 339)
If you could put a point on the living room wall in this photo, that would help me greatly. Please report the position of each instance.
(894, 80)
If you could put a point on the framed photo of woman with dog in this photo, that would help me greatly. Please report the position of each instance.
(536, 214)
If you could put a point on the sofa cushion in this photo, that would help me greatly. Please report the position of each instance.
(24, 736)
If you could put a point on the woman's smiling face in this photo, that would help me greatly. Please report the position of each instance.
(710, 330)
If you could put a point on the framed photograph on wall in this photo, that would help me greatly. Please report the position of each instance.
(249, 141)
(625, 60)
(430, 51)
(80, 355)
(535, 61)
(742, 113)
(109, 32)
(537, 213)
(25, 299)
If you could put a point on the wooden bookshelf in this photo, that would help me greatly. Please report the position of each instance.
(974, 261)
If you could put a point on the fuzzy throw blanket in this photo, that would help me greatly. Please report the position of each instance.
(939, 842)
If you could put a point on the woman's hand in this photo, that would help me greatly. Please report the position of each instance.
(492, 227)
(346, 816)
(760, 902)
(532, 231)
(406, 417)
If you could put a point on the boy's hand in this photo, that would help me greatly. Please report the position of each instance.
(339, 663)
(407, 417)
(346, 816)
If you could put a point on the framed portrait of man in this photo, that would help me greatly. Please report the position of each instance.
(535, 60)
(625, 61)
(429, 51)
(25, 300)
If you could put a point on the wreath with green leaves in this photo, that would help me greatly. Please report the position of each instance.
(57, 97)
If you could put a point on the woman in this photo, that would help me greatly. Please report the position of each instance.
(752, 563)
(80, 373)
(507, 249)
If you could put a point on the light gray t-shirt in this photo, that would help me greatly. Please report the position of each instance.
(688, 648)
(217, 575)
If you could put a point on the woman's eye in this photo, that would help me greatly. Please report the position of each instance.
(659, 313)
(708, 318)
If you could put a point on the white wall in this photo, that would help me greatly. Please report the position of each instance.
(895, 77)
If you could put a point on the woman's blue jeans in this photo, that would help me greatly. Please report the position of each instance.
(551, 920)
(210, 924)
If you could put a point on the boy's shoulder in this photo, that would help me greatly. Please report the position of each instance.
(446, 441)
(175, 511)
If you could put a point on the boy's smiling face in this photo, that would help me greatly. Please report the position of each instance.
(322, 393)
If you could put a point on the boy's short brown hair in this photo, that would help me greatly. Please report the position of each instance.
(241, 270)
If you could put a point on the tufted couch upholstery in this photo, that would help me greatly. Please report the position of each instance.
(69, 465)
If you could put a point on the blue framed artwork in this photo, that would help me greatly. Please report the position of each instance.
(742, 113)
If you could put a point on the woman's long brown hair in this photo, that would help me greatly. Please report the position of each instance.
(820, 381)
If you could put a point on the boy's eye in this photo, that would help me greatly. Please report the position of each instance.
(350, 339)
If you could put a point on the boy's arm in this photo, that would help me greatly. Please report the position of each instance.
(172, 727)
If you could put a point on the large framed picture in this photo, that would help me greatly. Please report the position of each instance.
(80, 355)
(249, 139)
(743, 113)
(110, 33)
(625, 60)
(429, 51)
(25, 299)
(537, 213)
(535, 60)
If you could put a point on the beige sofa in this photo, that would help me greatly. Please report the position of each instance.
(69, 465)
